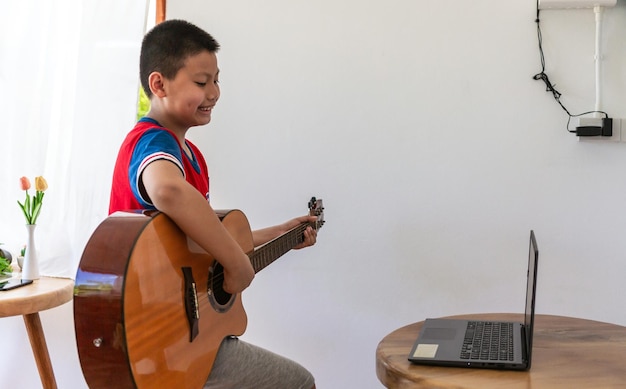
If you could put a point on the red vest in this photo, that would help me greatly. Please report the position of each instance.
(123, 197)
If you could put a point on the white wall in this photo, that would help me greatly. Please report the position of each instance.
(435, 152)
(419, 124)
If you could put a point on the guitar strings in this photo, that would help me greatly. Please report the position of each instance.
(299, 230)
(218, 277)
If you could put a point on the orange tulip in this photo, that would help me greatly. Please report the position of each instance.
(40, 184)
(24, 183)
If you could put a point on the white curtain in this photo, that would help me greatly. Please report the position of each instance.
(68, 95)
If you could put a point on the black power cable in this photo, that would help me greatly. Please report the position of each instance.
(549, 86)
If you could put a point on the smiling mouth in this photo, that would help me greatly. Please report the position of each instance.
(205, 109)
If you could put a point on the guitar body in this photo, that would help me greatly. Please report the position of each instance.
(137, 324)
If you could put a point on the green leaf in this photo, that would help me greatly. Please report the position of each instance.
(35, 214)
(27, 203)
(24, 211)
(5, 266)
(143, 104)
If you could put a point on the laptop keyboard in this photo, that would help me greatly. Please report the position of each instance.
(488, 341)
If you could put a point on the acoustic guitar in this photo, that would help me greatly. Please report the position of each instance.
(149, 308)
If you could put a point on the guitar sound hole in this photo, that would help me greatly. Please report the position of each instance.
(221, 300)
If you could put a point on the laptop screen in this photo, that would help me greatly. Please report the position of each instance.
(529, 317)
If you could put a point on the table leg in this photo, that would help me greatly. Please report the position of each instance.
(40, 350)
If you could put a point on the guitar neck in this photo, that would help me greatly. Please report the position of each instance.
(264, 255)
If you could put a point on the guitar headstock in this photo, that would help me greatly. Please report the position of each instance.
(316, 208)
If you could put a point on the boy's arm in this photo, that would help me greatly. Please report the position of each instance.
(173, 195)
(264, 235)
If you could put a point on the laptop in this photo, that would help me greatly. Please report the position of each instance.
(481, 344)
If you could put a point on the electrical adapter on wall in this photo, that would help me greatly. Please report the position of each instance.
(595, 127)
(600, 129)
(564, 4)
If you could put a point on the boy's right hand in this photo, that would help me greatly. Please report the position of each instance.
(173, 195)
(238, 278)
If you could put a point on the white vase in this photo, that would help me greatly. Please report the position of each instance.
(30, 270)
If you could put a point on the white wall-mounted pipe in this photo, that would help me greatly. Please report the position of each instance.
(598, 10)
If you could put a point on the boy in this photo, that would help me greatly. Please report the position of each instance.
(157, 168)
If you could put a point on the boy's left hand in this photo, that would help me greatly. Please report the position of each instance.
(310, 235)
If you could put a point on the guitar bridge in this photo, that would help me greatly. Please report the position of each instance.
(191, 303)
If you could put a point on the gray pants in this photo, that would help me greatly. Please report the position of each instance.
(240, 365)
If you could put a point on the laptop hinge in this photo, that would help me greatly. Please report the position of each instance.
(524, 344)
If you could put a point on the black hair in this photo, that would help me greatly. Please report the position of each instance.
(166, 47)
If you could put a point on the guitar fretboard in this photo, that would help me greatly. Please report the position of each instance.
(274, 249)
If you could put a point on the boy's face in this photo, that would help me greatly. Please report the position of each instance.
(194, 91)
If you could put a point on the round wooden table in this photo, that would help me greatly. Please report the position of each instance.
(567, 353)
(28, 301)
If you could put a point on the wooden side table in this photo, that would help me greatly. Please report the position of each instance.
(28, 301)
(567, 353)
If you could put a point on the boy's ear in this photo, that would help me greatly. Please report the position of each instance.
(156, 82)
